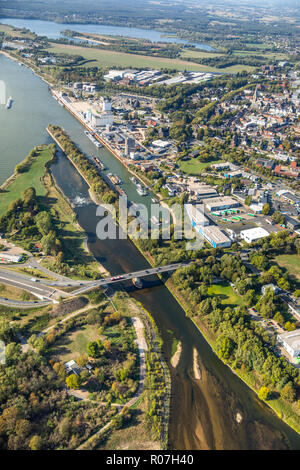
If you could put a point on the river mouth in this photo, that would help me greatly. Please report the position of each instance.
(203, 412)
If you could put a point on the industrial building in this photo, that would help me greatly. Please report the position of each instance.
(9, 258)
(202, 191)
(196, 216)
(253, 234)
(221, 203)
(216, 237)
(291, 342)
(101, 119)
(291, 223)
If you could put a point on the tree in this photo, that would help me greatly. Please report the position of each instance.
(264, 393)
(43, 222)
(288, 392)
(13, 352)
(248, 200)
(266, 209)
(49, 242)
(225, 347)
(73, 381)
(289, 326)
(94, 348)
(36, 443)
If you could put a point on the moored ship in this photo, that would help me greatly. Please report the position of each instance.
(9, 103)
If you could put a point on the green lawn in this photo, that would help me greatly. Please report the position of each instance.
(291, 263)
(74, 344)
(194, 166)
(226, 294)
(32, 177)
(105, 58)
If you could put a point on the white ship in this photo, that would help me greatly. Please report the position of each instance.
(9, 103)
(92, 139)
(141, 191)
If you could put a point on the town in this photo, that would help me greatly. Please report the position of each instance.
(212, 128)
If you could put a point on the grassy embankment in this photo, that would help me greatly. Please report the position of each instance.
(14, 293)
(106, 58)
(52, 200)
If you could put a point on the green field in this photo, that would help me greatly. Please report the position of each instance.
(226, 294)
(199, 54)
(105, 58)
(32, 177)
(291, 263)
(194, 166)
(9, 29)
(74, 344)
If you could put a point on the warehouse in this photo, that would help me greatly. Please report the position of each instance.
(216, 237)
(196, 217)
(253, 234)
(291, 342)
(221, 203)
(202, 191)
(9, 258)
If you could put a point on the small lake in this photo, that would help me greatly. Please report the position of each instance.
(53, 31)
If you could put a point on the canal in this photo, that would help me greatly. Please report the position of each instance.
(203, 412)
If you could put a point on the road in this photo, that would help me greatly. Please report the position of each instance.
(40, 288)
(48, 291)
(137, 274)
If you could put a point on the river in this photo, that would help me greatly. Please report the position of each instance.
(53, 31)
(203, 412)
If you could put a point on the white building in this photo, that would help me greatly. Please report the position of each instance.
(221, 203)
(291, 342)
(102, 119)
(256, 207)
(9, 258)
(216, 237)
(253, 234)
(163, 144)
(114, 75)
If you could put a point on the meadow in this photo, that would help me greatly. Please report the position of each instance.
(105, 58)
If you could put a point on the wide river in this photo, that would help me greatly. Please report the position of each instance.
(203, 412)
(53, 31)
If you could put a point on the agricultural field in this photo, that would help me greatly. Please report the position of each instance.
(190, 53)
(105, 58)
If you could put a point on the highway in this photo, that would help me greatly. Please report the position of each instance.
(39, 288)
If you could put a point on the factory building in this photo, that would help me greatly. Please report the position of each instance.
(253, 234)
(196, 216)
(9, 258)
(221, 203)
(216, 237)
